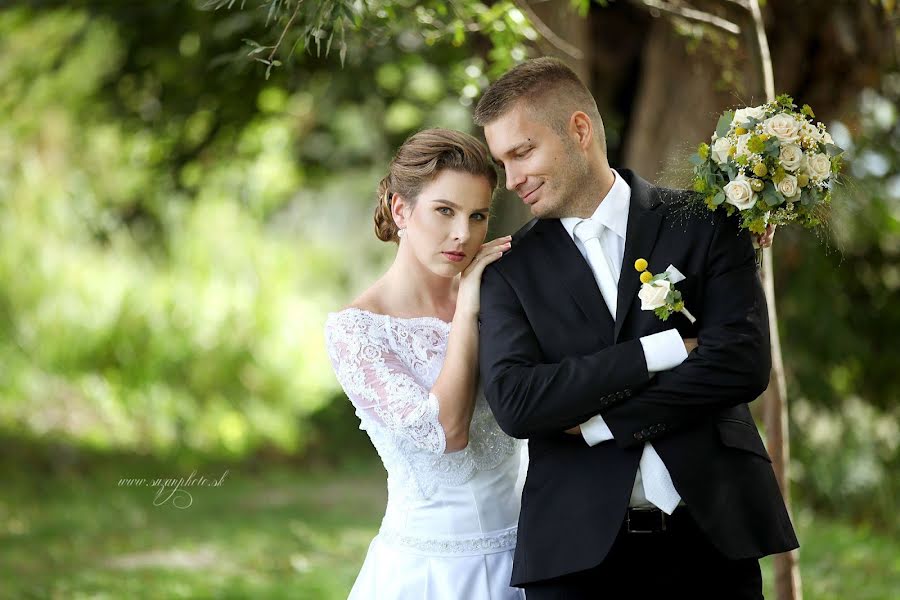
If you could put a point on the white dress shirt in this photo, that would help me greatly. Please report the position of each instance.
(662, 351)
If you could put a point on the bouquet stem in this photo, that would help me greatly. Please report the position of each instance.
(688, 314)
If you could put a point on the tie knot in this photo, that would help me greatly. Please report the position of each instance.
(589, 229)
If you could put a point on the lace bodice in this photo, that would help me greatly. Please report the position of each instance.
(387, 366)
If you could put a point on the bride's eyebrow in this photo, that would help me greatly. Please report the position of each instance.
(457, 206)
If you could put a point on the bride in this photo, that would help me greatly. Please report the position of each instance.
(405, 353)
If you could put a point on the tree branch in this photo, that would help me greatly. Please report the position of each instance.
(693, 14)
(547, 33)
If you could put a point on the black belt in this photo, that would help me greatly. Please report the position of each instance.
(651, 519)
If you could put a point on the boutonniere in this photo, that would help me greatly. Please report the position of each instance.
(658, 291)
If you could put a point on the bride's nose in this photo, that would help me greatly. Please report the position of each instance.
(462, 231)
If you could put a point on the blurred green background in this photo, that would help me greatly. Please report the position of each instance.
(175, 224)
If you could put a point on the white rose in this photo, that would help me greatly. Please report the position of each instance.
(742, 116)
(784, 127)
(826, 137)
(720, 150)
(788, 186)
(791, 157)
(819, 167)
(653, 295)
(739, 193)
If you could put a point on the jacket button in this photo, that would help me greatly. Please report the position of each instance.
(638, 436)
(628, 393)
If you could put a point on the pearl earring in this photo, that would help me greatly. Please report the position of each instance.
(401, 232)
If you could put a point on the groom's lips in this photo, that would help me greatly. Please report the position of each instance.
(529, 197)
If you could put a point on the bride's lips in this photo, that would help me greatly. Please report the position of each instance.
(454, 256)
(529, 197)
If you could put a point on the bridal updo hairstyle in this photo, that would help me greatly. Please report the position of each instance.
(421, 158)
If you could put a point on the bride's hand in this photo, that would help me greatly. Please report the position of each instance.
(765, 240)
(468, 298)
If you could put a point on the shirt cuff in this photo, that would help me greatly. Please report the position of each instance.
(664, 350)
(595, 430)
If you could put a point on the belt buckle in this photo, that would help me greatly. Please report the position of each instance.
(653, 529)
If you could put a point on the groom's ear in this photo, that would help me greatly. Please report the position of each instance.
(581, 129)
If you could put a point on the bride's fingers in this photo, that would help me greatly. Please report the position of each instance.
(497, 242)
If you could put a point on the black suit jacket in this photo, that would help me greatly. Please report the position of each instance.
(551, 357)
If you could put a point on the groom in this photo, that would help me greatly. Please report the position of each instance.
(647, 477)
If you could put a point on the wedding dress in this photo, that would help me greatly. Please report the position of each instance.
(449, 529)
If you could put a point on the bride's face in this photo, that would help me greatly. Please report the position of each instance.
(448, 223)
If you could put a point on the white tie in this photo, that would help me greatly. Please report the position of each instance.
(590, 232)
(658, 487)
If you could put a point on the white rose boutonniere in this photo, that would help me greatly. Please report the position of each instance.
(658, 292)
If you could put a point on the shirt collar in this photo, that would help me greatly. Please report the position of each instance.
(612, 211)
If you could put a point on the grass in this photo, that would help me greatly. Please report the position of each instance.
(275, 531)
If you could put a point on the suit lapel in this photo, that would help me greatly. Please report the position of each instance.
(640, 237)
(564, 259)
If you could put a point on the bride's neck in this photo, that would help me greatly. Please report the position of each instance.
(412, 286)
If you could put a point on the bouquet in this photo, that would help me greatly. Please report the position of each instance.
(771, 163)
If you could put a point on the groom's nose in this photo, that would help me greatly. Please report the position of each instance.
(514, 179)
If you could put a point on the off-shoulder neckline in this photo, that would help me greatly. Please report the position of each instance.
(392, 317)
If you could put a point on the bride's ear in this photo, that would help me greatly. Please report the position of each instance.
(400, 210)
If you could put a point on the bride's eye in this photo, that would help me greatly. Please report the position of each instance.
(479, 216)
(445, 211)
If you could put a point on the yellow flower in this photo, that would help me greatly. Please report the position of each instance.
(802, 180)
(760, 170)
(646, 276)
(740, 131)
(640, 265)
(757, 185)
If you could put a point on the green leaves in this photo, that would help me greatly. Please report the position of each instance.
(724, 123)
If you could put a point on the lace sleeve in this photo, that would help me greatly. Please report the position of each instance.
(378, 382)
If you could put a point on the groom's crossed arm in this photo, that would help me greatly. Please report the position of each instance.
(732, 362)
(531, 396)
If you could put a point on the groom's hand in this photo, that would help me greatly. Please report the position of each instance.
(574, 431)
(690, 344)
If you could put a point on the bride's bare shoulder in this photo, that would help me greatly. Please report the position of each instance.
(369, 301)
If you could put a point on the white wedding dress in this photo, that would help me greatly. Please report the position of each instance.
(449, 529)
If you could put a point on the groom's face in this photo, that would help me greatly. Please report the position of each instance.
(542, 167)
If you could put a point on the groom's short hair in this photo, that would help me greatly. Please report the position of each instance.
(549, 89)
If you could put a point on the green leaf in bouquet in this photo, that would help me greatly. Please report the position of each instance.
(724, 123)
(772, 197)
(833, 150)
(703, 151)
(756, 145)
(756, 224)
(663, 312)
(730, 170)
(670, 297)
(697, 160)
(676, 296)
(785, 101)
(719, 198)
(807, 198)
(808, 111)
